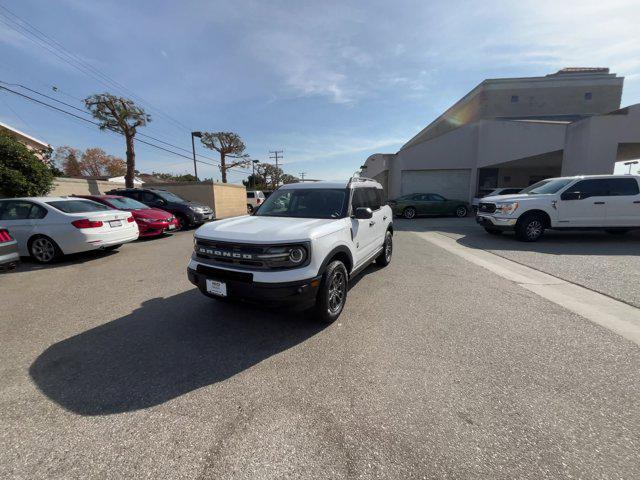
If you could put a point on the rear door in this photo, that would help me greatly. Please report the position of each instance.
(623, 203)
(589, 208)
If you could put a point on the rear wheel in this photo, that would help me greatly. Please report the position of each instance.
(530, 228)
(461, 211)
(384, 258)
(409, 213)
(249, 209)
(620, 231)
(332, 294)
(493, 231)
(44, 250)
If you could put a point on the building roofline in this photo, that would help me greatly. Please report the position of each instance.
(33, 139)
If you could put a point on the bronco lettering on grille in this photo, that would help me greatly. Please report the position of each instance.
(225, 253)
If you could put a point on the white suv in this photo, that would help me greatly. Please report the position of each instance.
(255, 198)
(300, 247)
(606, 202)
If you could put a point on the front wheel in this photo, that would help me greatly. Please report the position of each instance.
(384, 258)
(332, 294)
(530, 228)
(409, 213)
(461, 211)
(183, 223)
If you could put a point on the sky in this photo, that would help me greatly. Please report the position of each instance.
(328, 82)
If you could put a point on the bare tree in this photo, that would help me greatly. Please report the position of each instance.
(228, 145)
(68, 159)
(119, 115)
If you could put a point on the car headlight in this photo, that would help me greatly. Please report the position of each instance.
(507, 207)
(285, 256)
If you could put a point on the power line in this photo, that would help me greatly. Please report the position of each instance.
(53, 107)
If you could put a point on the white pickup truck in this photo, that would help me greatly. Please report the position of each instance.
(605, 202)
(301, 246)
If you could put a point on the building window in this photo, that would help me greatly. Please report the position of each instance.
(587, 96)
(514, 99)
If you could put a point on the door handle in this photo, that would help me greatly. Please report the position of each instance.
(372, 223)
(385, 217)
(598, 203)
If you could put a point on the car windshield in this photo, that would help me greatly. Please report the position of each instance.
(305, 203)
(125, 203)
(171, 197)
(77, 206)
(547, 186)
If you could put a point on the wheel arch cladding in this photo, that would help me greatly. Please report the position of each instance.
(540, 213)
(341, 253)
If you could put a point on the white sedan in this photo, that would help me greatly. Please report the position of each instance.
(49, 227)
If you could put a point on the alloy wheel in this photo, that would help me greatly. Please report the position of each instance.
(43, 250)
(534, 229)
(337, 291)
(409, 213)
(461, 212)
(388, 247)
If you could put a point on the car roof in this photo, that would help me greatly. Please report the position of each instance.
(351, 183)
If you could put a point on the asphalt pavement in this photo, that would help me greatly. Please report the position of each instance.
(112, 366)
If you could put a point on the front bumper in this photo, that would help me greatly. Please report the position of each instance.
(156, 228)
(241, 286)
(498, 223)
(203, 217)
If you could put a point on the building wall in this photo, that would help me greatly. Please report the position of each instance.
(201, 192)
(79, 186)
(230, 200)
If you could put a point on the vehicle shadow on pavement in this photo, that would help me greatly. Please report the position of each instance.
(164, 349)
(574, 242)
(29, 265)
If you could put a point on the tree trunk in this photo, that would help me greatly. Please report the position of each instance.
(223, 167)
(131, 162)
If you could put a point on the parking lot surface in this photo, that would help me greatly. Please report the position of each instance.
(597, 260)
(113, 366)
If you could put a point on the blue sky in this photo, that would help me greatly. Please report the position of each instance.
(327, 82)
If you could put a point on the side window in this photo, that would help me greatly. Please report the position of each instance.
(16, 210)
(37, 212)
(623, 186)
(434, 197)
(590, 188)
(359, 198)
(380, 195)
(250, 195)
(372, 198)
(149, 197)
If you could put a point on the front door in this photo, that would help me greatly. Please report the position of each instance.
(363, 231)
(16, 215)
(584, 204)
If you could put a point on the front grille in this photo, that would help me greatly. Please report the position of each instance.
(487, 207)
(240, 255)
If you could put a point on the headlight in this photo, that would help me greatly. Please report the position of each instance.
(146, 220)
(507, 207)
(285, 256)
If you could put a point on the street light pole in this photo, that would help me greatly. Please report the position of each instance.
(634, 162)
(193, 145)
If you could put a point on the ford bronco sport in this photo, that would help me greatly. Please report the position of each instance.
(300, 247)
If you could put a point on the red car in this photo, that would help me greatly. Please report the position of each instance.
(151, 221)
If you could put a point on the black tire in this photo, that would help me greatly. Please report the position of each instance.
(249, 209)
(621, 231)
(329, 304)
(112, 247)
(493, 231)
(530, 227)
(461, 211)
(409, 213)
(384, 258)
(183, 222)
(43, 249)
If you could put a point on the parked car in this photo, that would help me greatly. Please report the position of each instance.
(414, 204)
(300, 248)
(151, 221)
(254, 200)
(607, 202)
(49, 227)
(498, 191)
(186, 212)
(9, 256)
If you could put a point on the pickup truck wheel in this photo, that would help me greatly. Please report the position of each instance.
(530, 228)
(384, 258)
(409, 213)
(332, 293)
(493, 231)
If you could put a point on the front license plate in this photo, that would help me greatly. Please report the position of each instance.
(115, 223)
(217, 288)
(171, 227)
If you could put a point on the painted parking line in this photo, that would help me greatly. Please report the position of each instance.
(607, 312)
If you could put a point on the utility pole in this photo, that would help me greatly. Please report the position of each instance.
(253, 174)
(302, 174)
(193, 145)
(277, 155)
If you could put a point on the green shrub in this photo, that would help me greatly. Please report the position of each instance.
(22, 174)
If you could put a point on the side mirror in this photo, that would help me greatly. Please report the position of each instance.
(571, 195)
(363, 213)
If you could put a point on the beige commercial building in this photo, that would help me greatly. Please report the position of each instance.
(512, 132)
(32, 143)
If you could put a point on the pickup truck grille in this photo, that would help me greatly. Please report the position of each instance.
(485, 207)
(240, 255)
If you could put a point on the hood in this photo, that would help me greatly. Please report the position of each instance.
(153, 213)
(255, 229)
(516, 197)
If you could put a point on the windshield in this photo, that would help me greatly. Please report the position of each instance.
(305, 203)
(547, 186)
(125, 203)
(78, 206)
(170, 197)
